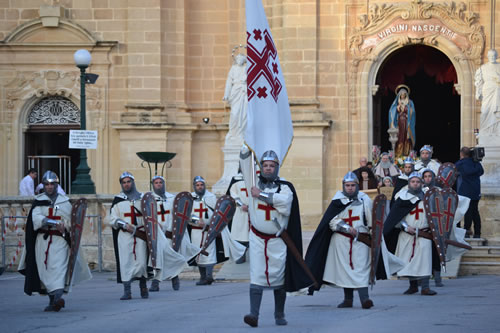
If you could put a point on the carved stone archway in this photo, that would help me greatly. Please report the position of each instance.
(386, 28)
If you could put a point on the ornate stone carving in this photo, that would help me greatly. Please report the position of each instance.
(49, 83)
(54, 110)
(455, 19)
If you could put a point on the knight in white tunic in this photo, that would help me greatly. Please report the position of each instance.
(203, 208)
(131, 251)
(174, 262)
(426, 161)
(406, 218)
(240, 225)
(273, 208)
(223, 247)
(47, 248)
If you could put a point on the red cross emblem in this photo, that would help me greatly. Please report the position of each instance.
(133, 214)
(244, 190)
(201, 210)
(183, 215)
(223, 217)
(51, 216)
(267, 208)
(351, 218)
(416, 212)
(449, 215)
(262, 64)
(163, 212)
(438, 215)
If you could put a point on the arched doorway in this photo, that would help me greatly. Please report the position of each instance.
(47, 138)
(431, 76)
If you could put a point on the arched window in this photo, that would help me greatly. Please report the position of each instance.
(54, 110)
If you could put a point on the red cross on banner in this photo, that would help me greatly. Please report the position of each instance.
(133, 214)
(267, 208)
(51, 216)
(269, 122)
(201, 210)
(416, 212)
(163, 212)
(351, 218)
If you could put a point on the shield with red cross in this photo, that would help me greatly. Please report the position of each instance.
(440, 206)
(447, 175)
(150, 215)
(223, 213)
(378, 212)
(183, 205)
(77, 220)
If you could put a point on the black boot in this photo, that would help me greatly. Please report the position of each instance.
(203, 276)
(155, 286)
(144, 287)
(210, 278)
(252, 318)
(176, 283)
(59, 302)
(127, 292)
(50, 307)
(279, 306)
(413, 288)
(365, 300)
(348, 296)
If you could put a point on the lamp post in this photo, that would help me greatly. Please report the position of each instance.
(83, 184)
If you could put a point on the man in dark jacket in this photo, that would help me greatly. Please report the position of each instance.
(469, 185)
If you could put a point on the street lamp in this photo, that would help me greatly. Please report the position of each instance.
(83, 184)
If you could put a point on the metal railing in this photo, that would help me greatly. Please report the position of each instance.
(98, 245)
(64, 168)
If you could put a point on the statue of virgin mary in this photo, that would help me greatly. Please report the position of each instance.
(402, 116)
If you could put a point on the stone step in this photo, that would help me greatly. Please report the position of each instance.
(494, 258)
(476, 241)
(481, 250)
(479, 268)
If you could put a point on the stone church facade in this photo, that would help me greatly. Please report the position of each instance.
(162, 67)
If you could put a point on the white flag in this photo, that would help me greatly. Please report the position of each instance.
(269, 123)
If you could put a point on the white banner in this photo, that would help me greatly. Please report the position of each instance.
(82, 139)
(269, 124)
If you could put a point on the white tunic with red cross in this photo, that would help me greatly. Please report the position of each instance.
(415, 252)
(165, 218)
(52, 253)
(348, 261)
(241, 223)
(267, 252)
(132, 250)
(203, 209)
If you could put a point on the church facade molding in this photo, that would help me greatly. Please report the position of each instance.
(385, 28)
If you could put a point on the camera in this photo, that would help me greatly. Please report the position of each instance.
(477, 154)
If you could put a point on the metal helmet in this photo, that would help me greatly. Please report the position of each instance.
(50, 177)
(270, 155)
(157, 177)
(447, 174)
(350, 177)
(198, 179)
(427, 148)
(126, 174)
(415, 174)
(409, 160)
